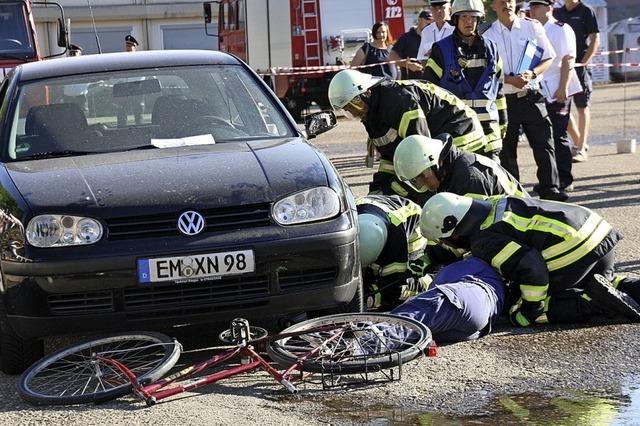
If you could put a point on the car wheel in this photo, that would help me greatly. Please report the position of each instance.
(16, 353)
(355, 305)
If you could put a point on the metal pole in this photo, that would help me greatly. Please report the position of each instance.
(624, 106)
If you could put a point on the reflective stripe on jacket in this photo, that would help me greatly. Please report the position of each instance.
(404, 240)
(485, 97)
(398, 109)
(528, 240)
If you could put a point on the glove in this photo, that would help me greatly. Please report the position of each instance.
(503, 131)
(419, 266)
(525, 313)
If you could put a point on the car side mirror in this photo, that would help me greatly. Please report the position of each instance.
(319, 122)
(63, 34)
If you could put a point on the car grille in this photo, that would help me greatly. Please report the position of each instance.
(80, 303)
(291, 280)
(163, 225)
(175, 300)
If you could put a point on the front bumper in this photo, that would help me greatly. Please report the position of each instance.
(103, 294)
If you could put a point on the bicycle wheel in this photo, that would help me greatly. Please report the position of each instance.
(351, 343)
(74, 376)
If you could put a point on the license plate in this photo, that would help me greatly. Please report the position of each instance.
(194, 267)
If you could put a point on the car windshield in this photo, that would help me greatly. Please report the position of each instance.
(15, 38)
(140, 109)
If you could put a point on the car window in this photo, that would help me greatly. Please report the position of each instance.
(146, 108)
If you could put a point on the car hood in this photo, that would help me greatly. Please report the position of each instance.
(167, 180)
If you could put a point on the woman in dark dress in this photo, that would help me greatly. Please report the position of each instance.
(376, 52)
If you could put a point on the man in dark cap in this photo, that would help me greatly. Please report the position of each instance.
(407, 48)
(134, 104)
(130, 43)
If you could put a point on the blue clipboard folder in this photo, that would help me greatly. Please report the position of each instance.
(530, 57)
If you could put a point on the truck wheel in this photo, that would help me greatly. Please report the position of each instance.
(295, 105)
(16, 353)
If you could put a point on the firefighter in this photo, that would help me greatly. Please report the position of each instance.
(543, 247)
(429, 165)
(393, 110)
(468, 65)
(390, 240)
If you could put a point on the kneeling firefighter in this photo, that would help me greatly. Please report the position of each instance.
(426, 164)
(391, 247)
(543, 247)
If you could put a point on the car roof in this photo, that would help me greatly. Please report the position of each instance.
(122, 61)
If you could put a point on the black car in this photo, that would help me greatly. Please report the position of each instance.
(153, 189)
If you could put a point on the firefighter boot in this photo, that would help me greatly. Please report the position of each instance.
(569, 306)
(628, 285)
(605, 295)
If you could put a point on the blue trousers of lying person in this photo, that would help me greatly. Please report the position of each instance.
(462, 302)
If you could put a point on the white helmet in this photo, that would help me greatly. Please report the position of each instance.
(372, 234)
(348, 84)
(473, 7)
(442, 213)
(414, 155)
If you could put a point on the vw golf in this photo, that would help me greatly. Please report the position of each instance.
(152, 189)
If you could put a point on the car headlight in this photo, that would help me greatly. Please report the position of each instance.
(310, 205)
(53, 230)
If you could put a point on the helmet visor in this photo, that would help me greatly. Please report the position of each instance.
(418, 182)
(356, 109)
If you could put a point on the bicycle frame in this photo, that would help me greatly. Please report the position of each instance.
(153, 392)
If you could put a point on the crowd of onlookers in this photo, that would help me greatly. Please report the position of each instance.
(569, 37)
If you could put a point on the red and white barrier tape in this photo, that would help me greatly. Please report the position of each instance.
(611, 52)
(624, 64)
(332, 68)
(319, 69)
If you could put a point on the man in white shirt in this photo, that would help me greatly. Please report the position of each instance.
(438, 29)
(556, 84)
(525, 104)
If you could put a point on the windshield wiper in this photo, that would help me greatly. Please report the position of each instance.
(66, 153)
(140, 147)
(10, 56)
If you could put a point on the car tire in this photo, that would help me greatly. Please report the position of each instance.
(356, 304)
(17, 353)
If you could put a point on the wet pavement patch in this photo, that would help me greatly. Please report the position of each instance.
(549, 408)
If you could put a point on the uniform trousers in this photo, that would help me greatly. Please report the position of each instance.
(559, 113)
(530, 113)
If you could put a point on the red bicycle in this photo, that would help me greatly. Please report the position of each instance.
(110, 367)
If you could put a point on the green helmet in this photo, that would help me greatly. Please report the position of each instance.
(372, 234)
(348, 84)
(414, 155)
(473, 7)
(442, 213)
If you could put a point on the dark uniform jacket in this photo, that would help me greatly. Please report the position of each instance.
(465, 173)
(534, 243)
(404, 240)
(398, 109)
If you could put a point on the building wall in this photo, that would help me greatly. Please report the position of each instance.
(622, 9)
(156, 24)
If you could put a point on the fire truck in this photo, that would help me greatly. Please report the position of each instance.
(18, 40)
(273, 36)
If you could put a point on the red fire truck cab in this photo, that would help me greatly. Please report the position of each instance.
(272, 34)
(18, 40)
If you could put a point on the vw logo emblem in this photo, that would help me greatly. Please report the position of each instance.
(190, 223)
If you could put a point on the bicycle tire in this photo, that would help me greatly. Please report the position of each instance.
(68, 376)
(366, 344)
